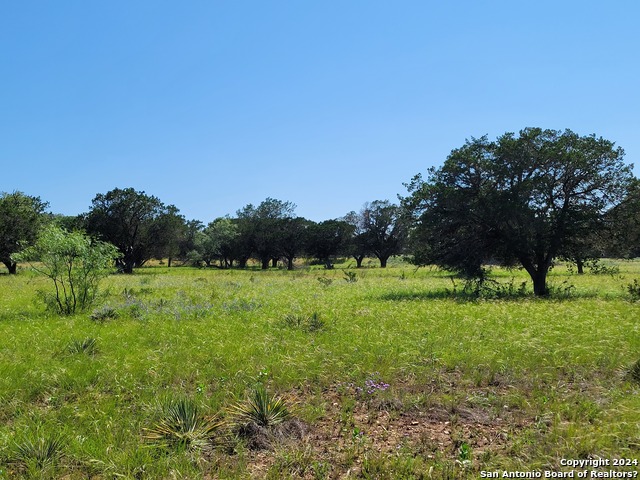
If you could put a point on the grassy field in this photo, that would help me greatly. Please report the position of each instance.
(392, 373)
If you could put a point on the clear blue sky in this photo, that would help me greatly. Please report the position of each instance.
(211, 105)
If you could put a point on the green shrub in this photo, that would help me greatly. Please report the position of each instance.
(75, 264)
(634, 290)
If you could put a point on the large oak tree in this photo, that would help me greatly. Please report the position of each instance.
(140, 225)
(518, 200)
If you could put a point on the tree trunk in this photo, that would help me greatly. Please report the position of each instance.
(290, 263)
(580, 265)
(359, 259)
(169, 262)
(274, 262)
(11, 266)
(265, 263)
(540, 283)
(383, 262)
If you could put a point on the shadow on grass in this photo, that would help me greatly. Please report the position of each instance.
(556, 294)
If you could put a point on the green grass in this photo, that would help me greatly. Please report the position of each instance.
(520, 382)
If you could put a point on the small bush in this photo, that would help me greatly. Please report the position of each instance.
(634, 290)
(350, 277)
(325, 281)
(597, 268)
(73, 262)
(488, 289)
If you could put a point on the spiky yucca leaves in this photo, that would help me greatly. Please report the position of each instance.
(261, 409)
(183, 426)
(40, 452)
(87, 346)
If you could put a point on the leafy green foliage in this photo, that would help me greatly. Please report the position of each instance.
(139, 225)
(260, 408)
(183, 426)
(384, 229)
(518, 200)
(264, 227)
(21, 217)
(327, 239)
(73, 262)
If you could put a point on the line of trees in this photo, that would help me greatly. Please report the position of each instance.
(142, 227)
(521, 200)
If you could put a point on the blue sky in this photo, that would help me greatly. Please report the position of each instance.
(212, 105)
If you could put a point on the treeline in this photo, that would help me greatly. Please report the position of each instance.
(522, 200)
(142, 227)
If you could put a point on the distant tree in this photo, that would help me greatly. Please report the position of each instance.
(518, 200)
(328, 239)
(624, 225)
(358, 243)
(21, 217)
(140, 225)
(384, 229)
(188, 243)
(261, 227)
(294, 233)
(73, 262)
(216, 242)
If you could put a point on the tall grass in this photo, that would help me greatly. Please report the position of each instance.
(556, 368)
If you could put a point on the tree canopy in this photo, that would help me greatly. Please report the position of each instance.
(139, 225)
(21, 217)
(518, 200)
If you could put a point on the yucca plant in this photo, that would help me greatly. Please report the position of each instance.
(183, 426)
(261, 409)
(40, 452)
(87, 346)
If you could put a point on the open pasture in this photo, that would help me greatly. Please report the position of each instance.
(388, 373)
